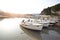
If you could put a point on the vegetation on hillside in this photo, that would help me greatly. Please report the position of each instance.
(48, 11)
(56, 7)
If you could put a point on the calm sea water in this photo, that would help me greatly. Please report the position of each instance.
(10, 29)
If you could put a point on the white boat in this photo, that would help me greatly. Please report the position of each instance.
(31, 24)
(44, 22)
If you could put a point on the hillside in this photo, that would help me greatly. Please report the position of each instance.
(11, 15)
(54, 10)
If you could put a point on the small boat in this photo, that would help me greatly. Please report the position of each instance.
(33, 24)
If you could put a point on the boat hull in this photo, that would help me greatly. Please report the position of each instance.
(32, 27)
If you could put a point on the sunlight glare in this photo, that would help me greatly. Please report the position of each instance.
(9, 25)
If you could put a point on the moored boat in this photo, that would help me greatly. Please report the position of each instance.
(31, 24)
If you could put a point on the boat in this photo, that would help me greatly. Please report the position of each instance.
(31, 24)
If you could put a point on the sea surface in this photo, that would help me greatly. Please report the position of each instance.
(10, 29)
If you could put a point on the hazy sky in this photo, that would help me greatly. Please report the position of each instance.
(26, 6)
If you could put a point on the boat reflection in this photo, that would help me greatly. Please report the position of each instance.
(35, 35)
(50, 33)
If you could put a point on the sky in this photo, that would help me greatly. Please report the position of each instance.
(26, 6)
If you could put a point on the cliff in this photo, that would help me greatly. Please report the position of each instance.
(54, 10)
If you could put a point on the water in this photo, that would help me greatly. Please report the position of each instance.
(10, 29)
